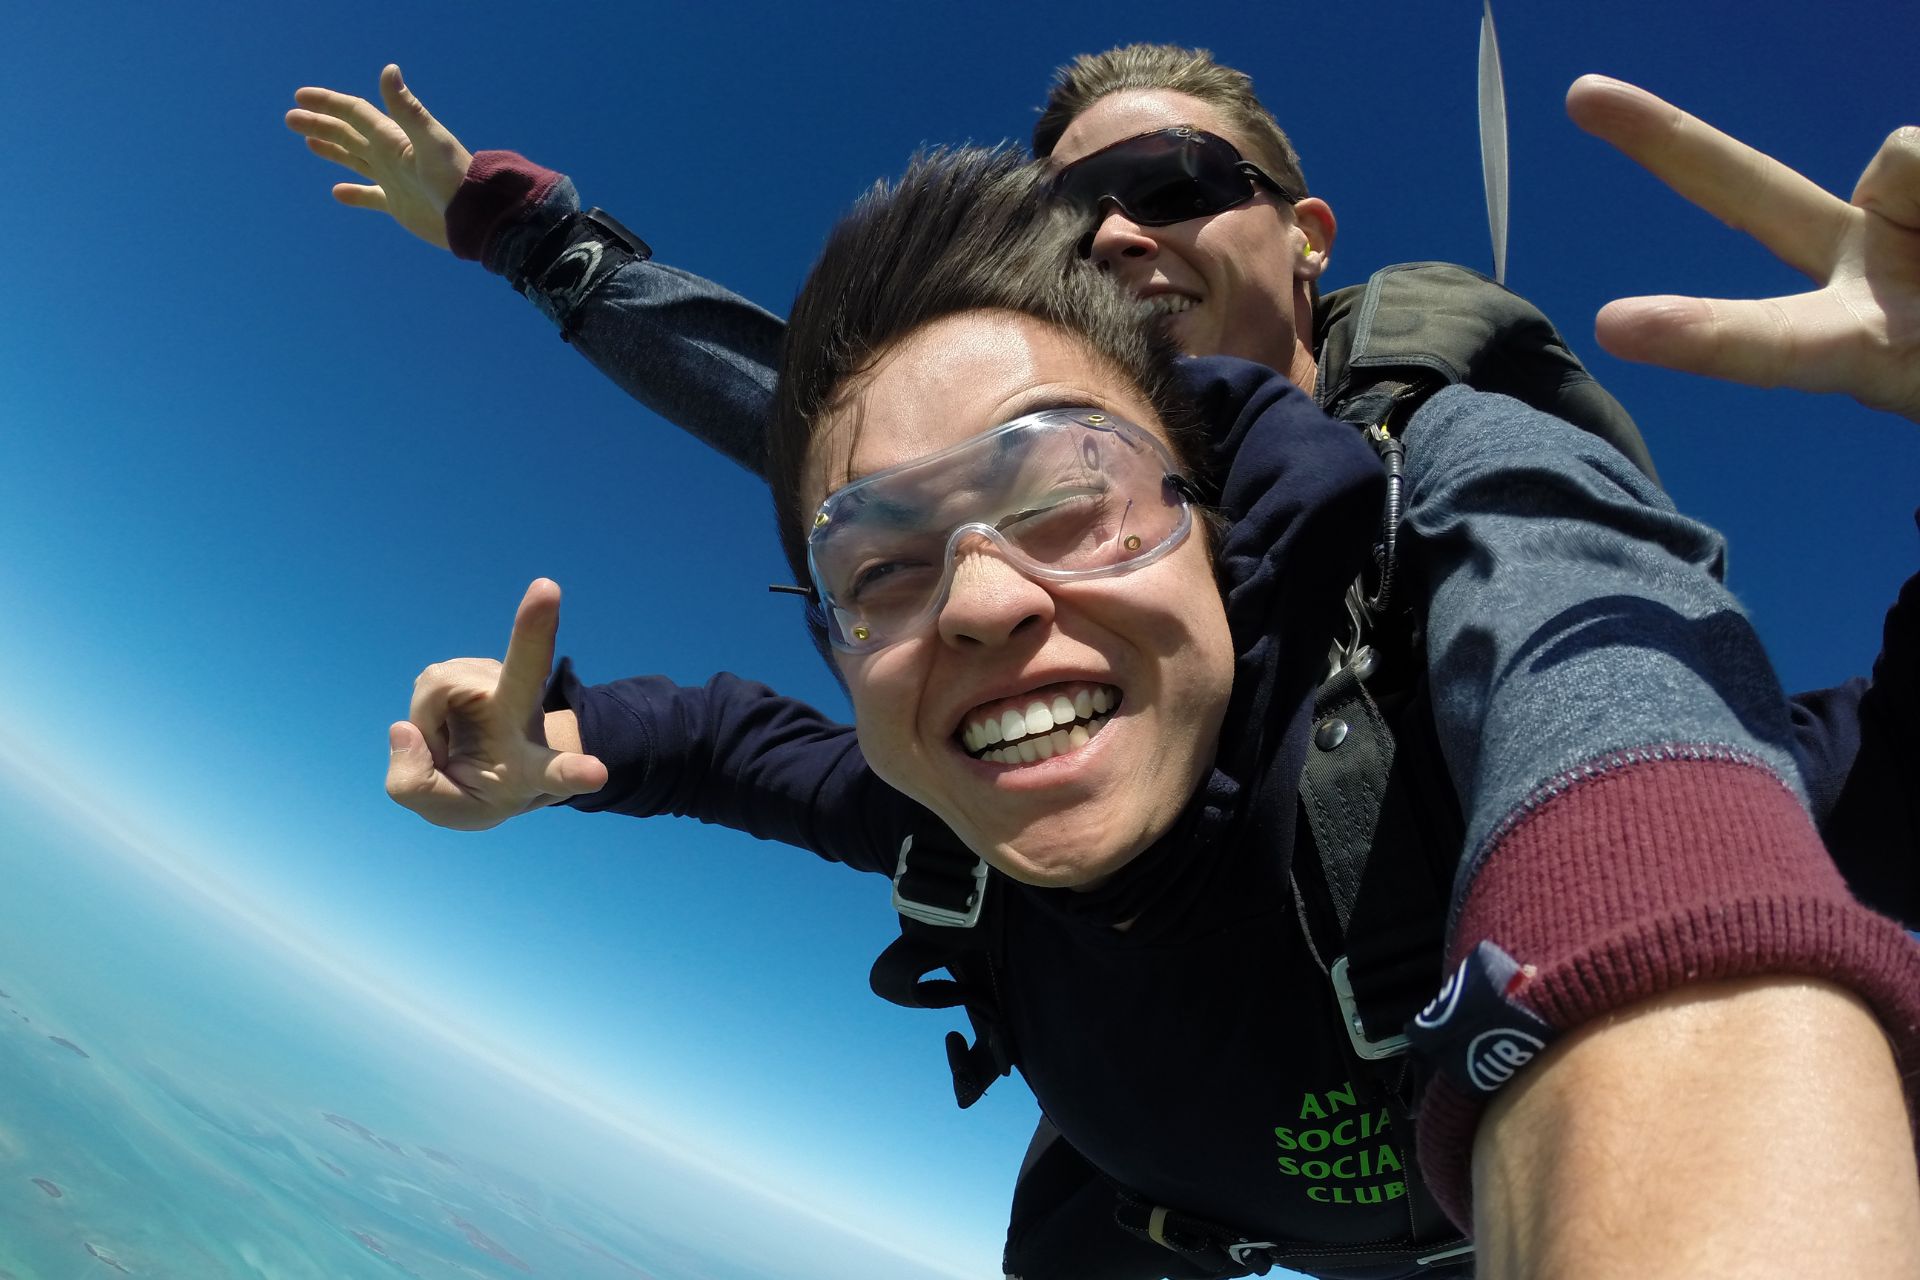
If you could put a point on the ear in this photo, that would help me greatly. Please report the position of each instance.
(1315, 219)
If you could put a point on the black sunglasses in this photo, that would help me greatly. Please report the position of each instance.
(1163, 177)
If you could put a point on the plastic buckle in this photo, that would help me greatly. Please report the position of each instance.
(617, 230)
(927, 913)
(1371, 1050)
(1244, 1252)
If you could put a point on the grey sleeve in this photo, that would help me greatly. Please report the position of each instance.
(1575, 620)
(696, 353)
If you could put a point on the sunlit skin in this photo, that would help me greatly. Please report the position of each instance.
(1159, 634)
(1244, 267)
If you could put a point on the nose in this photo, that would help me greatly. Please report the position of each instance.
(1116, 237)
(989, 601)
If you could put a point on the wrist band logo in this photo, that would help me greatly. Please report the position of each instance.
(1473, 1032)
(1494, 1056)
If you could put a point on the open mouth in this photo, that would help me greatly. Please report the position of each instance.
(1040, 725)
(1170, 304)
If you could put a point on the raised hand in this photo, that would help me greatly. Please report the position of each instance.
(411, 164)
(1858, 333)
(474, 750)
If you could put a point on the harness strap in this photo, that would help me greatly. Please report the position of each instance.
(1221, 1249)
(941, 894)
(575, 256)
(1388, 912)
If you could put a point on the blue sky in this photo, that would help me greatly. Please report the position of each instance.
(262, 458)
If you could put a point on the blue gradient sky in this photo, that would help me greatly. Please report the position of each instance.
(262, 458)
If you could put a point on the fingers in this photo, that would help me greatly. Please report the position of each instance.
(414, 782)
(340, 156)
(360, 197)
(314, 126)
(1678, 333)
(523, 678)
(323, 109)
(1747, 189)
(1800, 341)
(410, 767)
(447, 692)
(1890, 186)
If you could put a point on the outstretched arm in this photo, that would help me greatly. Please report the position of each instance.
(1636, 845)
(698, 354)
(1858, 333)
(485, 741)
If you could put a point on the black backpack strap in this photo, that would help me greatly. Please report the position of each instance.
(1440, 322)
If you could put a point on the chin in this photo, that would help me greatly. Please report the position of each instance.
(1049, 857)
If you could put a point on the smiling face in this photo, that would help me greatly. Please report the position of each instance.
(1236, 282)
(1150, 646)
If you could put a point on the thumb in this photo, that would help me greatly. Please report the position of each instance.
(410, 768)
(569, 773)
(1891, 185)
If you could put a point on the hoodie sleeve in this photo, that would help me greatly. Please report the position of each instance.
(734, 753)
(1636, 820)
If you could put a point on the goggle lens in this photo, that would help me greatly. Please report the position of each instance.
(1062, 495)
(1160, 178)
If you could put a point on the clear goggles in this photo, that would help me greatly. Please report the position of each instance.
(1062, 495)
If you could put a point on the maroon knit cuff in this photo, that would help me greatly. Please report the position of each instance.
(498, 188)
(1645, 877)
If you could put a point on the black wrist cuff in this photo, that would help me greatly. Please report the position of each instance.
(571, 260)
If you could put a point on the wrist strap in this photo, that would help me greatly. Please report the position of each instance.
(574, 255)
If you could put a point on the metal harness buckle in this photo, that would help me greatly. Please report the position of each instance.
(1371, 1050)
(962, 917)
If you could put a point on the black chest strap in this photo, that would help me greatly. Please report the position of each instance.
(1381, 905)
(949, 921)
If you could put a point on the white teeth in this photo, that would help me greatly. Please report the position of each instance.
(1040, 719)
(1044, 746)
(1170, 304)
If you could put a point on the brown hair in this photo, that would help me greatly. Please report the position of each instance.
(1092, 76)
(970, 229)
